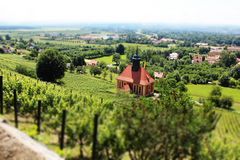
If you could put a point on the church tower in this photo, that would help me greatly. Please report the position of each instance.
(136, 61)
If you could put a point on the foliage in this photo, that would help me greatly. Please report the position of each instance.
(116, 58)
(94, 70)
(78, 61)
(50, 66)
(120, 49)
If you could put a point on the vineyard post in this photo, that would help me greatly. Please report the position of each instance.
(1, 94)
(15, 108)
(95, 132)
(39, 117)
(64, 114)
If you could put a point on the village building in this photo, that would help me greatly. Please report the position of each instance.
(91, 62)
(135, 79)
(159, 75)
(173, 56)
(197, 58)
(213, 57)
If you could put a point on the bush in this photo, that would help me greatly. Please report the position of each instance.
(50, 66)
(226, 102)
(95, 70)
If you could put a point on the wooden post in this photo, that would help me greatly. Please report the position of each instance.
(1, 94)
(95, 132)
(39, 117)
(15, 108)
(64, 114)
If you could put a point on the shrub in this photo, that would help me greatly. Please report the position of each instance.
(226, 102)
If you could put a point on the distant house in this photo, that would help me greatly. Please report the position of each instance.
(213, 57)
(233, 49)
(197, 58)
(173, 56)
(68, 65)
(91, 62)
(238, 60)
(201, 44)
(159, 75)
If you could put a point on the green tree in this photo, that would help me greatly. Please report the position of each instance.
(215, 96)
(7, 37)
(224, 80)
(235, 73)
(78, 61)
(94, 70)
(120, 49)
(203, 50)
(50, 66)
(227, 59)
(116, 58)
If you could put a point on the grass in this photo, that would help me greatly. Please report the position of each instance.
(108, 59)
(203, 91)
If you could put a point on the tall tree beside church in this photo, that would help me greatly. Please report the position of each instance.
(120, 49)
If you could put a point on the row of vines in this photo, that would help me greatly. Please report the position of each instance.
(81, 109)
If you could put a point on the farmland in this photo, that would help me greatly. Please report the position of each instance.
(203, 91)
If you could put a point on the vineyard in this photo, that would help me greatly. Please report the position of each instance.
(80, 109)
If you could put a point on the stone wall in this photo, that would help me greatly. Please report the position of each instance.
(16, 145)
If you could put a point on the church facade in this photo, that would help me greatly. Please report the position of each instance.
(135, 79)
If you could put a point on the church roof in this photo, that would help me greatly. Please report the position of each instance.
(141, 76)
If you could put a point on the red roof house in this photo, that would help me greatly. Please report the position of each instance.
(136, 79)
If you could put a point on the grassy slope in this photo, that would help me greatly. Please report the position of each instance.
(197, 91)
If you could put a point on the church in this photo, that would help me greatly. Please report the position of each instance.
(135, 79)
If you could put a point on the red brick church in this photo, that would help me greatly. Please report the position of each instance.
(135, 79)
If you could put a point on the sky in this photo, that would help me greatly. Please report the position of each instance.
(205, 12)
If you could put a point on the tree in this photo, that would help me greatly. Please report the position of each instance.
(167, 128)
(7, 37)
(203, 50)
(120, 49)
(122, 66)
(50, 66)
(71, 68)
(228, 59)
(1, 38)
(94, 70)
(224, 80)
(235, 73)
(104, 74)
(215, 96)
(226, 102)
(116, 58)
(79, 61)
(102, 65)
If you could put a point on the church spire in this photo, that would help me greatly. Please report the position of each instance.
(136, 61)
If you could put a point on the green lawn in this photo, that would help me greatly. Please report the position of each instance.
(108, 59)
(203, 91)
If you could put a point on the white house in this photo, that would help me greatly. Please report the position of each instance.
(173, 56)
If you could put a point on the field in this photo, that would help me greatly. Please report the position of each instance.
(203, 91)
(108, 59)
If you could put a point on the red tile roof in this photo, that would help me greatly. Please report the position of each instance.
(140, 77)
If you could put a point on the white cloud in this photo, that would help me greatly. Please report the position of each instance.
(159, 11)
